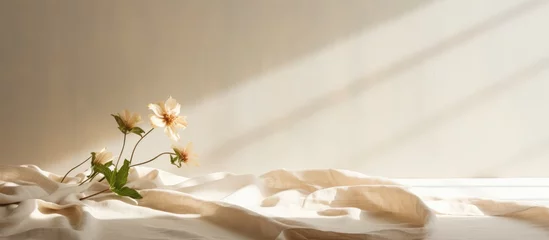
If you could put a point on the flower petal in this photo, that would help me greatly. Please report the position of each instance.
(125, 115)
(135, 119)
(156, 121)
(157, 109)
(189, 148)
(103, 157)
(181, 122)
(177, 109)
(172, 107)
(192, 162)
(108, 156)
(172, 133)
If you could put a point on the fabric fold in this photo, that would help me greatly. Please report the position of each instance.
(280, 204)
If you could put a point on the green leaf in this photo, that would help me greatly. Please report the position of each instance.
(126, 191)
(108, 164)
(121, 125)
(175, 161)
(118, 120)
(113, 178)
(93, 158)
(123, 130)
(122, 175)
(138, 131)
(105, 171)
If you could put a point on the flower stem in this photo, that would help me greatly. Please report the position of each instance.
(85, 180)
(152, 159)
(74, 168)
(90, 178)
(95, 194)
(133, 151)
(121, 151)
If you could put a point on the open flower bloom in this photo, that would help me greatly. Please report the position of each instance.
(166, 114)
(186, 154)
(130, 119)
(102, 157)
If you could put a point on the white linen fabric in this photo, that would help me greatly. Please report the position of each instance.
(281, 204)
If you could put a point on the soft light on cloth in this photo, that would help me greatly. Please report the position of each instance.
(281, 204)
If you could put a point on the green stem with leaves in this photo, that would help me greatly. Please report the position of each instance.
(145, 162)
(62, 179)
(134, 147)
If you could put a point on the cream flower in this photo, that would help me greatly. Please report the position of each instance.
(166, 114)
(127, 122)
(102, 157)
(130, 119)
(185, 154)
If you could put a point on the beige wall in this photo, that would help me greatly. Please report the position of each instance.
(395, 88)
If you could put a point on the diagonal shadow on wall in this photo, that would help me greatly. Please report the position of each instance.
(454, 111)
(525, 155)
(80, 60)
(370, 81)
